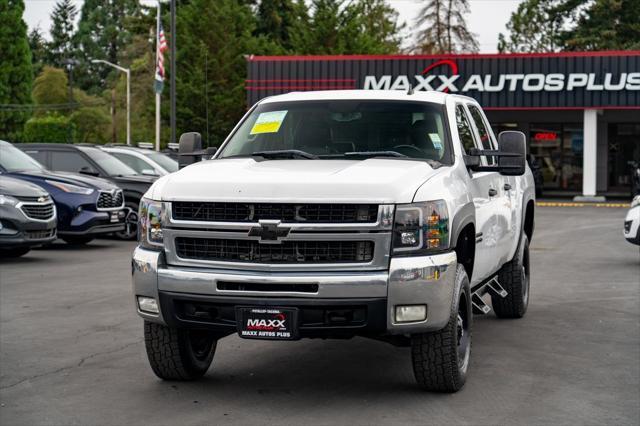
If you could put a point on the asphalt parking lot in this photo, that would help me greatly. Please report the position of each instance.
(72, 351)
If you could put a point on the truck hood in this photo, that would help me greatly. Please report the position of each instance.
(376, 180)
(67, 177)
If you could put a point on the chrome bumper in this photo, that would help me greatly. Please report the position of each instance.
(410, 280)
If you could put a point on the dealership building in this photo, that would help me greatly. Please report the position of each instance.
(580, 110)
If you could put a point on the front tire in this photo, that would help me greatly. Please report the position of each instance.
(514, 277)
(130, 231)
(178, 354)
(441, 359)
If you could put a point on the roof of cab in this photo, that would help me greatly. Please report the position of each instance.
(381, 95)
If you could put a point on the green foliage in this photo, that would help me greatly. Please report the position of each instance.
(606, 25)
(16, 73)
(91, 125)
(277, 21)
(51, 128)
(60, 49)
(211, 66)
(51, 87)
(355, 27)
(102, 34)
(38, 47)
(442, 28)
(553, 25)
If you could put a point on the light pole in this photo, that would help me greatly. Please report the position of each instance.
(127, 71)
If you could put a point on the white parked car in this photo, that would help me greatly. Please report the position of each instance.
(632, 222)
(381, 214)
(144, 161)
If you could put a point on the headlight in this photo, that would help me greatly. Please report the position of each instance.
(634, 202)
(67, 187)
(150, 224)
(421, 227)
(7, 199)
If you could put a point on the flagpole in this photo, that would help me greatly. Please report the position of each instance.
(157, 91)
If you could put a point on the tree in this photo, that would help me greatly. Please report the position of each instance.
(442, 28)
(51, 87)
(16, 72)
(535, 27)
(60, 49)
(605, 25)
(355, 27)
(38, 47)
(211, 65)
(277, 20)
(102, 34)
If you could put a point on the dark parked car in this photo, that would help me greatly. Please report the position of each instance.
(91, 160)
(86, 206)
(27, 217)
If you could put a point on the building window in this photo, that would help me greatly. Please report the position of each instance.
(558, 150)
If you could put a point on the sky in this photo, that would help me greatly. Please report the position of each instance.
(486, 19)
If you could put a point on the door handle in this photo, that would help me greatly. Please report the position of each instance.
(492, 192)
(507, 186)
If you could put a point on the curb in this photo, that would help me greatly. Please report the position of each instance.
(574, 204)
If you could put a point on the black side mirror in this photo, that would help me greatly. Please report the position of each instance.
(86, 170)
(190, 149)
(515, 145)
(472, 161)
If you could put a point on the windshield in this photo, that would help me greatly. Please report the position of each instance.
(107, 162)
(169, 164)
(339, 129)
(14, 160)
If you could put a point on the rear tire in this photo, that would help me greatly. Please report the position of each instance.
(178, 354)
(14, 252)
(77, 241)
(441, 359)
(514, 277)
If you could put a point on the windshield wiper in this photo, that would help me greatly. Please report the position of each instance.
(285, 153)
(366, 154)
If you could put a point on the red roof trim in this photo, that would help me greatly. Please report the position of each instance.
(453, 56)
(558, 108)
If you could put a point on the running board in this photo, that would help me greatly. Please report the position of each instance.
(492, 287)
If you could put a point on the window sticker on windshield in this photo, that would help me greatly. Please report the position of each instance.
(435, 139)
(268, 122)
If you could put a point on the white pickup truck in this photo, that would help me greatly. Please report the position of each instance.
(334, 214)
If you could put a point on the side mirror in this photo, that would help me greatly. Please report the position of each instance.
(514, 144)
(86, 170)
(190, 149)
(210, 152)
(472, 161)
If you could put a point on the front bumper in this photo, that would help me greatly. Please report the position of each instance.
(18, 230)
(428, 280)
(89, 222)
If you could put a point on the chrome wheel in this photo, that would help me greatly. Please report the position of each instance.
(130, 225)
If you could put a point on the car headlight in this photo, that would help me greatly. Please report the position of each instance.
(9, 200)
(635, 202)
(421, 228)
(150, 224)
(67, 187)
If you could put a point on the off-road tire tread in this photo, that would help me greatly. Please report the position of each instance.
(163, 346)
(435, 365)
(510, 279)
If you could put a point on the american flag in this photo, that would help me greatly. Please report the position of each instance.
(162, 46)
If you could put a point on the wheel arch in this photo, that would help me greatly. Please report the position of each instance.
(463, 237)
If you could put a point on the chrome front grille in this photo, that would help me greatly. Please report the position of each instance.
(287, 213)
(39, 211)
(110, 200)
(230, 236)
(285, 252)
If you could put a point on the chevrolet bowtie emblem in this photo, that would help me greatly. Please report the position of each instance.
(269, 231)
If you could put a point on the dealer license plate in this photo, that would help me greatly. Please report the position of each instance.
(267, 323)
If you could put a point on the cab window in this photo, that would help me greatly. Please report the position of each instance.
(483, 132)
(464, 129)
